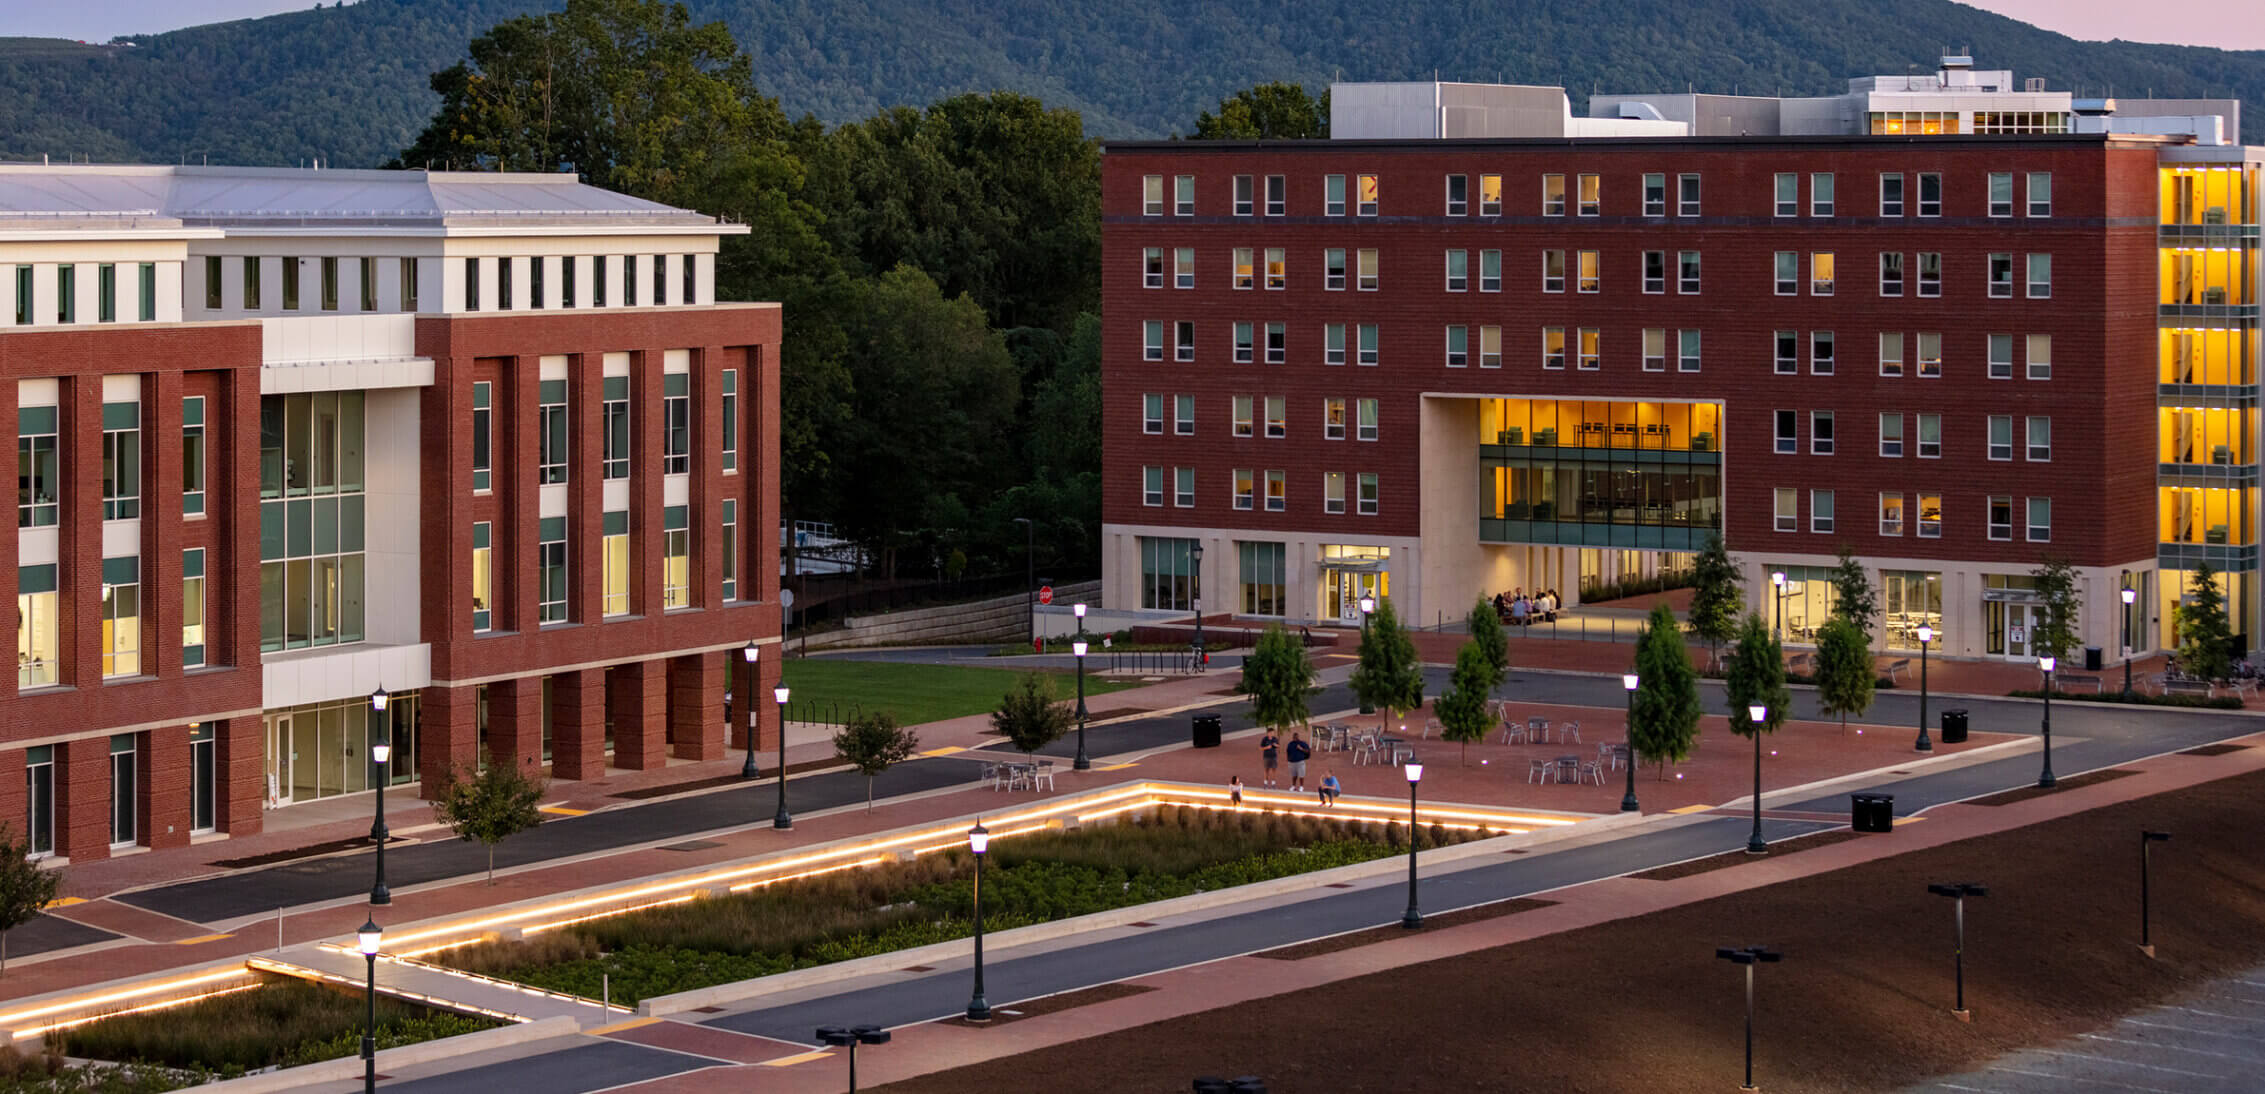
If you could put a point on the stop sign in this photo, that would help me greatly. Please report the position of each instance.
(1045, 594)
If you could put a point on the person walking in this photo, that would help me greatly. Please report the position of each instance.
(1330, 788)
(1299, 752)
(1269, 751)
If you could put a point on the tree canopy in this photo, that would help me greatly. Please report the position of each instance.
(1845, 677)
(1278, 677)
(1029, 716)
(1462, 712)
(1757, 675)
(1388, 676)
(1270, 111)
(1663, 719)
(1715, 597)
(2205, 642)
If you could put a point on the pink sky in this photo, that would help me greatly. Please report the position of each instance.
(2226, 24)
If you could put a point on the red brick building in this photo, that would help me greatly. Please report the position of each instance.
(1459, 351)
(287, 437)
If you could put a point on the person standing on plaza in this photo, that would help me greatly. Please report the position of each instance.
(1269, 752)
(1299, 752)
(1235, 790)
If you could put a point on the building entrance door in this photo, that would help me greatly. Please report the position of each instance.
(1343, 588)
(279, 759)
(2010, 628)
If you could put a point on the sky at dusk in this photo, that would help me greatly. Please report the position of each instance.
(2227, 24)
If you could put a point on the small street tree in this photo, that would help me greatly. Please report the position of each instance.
(1715, 597)
(1029, 716)
(1663, 720)
(1756, 674)
(1844, 669)
(2205, 643)
(1852, 595)
(872, 743)
(2056, 634)
(25, 889)
(1462, 711)
(1278, 676)
(1494, 645)
(1388, 677)
(491, 805)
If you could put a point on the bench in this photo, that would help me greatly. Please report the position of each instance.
(1801, 662)
(2070, 682)
(1896, 668)
(2188, 687)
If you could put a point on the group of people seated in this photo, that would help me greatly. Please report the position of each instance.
(1518, 608)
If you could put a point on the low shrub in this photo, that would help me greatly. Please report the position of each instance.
(282, 1023)
(2204, 702)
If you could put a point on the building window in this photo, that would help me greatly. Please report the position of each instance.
(1553, 271)
(311, 521)
(1365, 422)
(1244, 338)
(2001, 357)
(1553, 347)
(330, 283)
(1820, 433)
(550, 567)
(1553, 195)
(1589, 350)
(1788, 276)
(1332, 491)
(1891, 273)
(614, 460)
(1245, 495)
(1152, 413)
(1655, 349)
(1167, 574)
(1365, 268)
(1183, 268)
(1655, 195)
(471, 284)
(1368, 494)
(1333, 343)
(1687, 273)
(1246, 268)
(1184, 340)
(536, 265)
(551, 432)
(1183, 479)
(1277, 424)
(1333, 195)
(1183, 407)
(1368, 343)
(730, 550)
(39, 801)
(1589, 195)
(1930, 273)
(1820, 194)
(1152, 340)
(1490, 195)
(1591, 272)
(2040, 432)
(106, 293)
(2040, 193)
(2040, 520)
(1246, 196)
(1458, 195)
(1242, 408)
(1820, 511)
(1930, 194)
(1458, 345)
(1786, 509)
(1277, 195)
(1891, 514)
(1930, 516)
(192, 608)
(1930, 354)
(2001, 276)
(38, 634)
(1687, 195)
(1930, 436)
(1152, 195)
(192, 456)
(1183, 195)
(597, 281)
(1687, 359)
(1277, 491)
(676, 423)
(1788, 191)
(66, 294)
(2040, 276)
(213, 290)
(251, 283)
(121, 617)
(676, 557)
(1891, 353)
(409, 283)
(1788, 437)
(1821, 361)
(124, 800)
(1152, 486)
(1891, 435)
(1655, 271)
(568, 274)
(2001, 193)
(483, 577)
(1333, 419)
(730, 455)
(1490, 271)
(482, 441)
(1458, 270)
(1366, 191)
(121, 461)
(1821, 269)
(38, 473)
(1490, 347)
(1788, 357)
(145, 283)
(2001, 517)
(2040, 357)
(1333, 269)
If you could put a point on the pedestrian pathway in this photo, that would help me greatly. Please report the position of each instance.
(2212, 1042)
(434, 986)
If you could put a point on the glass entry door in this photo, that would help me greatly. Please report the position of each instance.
(1343, 589)
(2010, 628)
(279, 757)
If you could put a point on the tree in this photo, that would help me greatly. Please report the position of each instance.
(1388, 677)
(1853, 599)
(871, 743)
(1844, 669)
(491, 805)
(1663, 722)
(1462, 711)
(1757, 675)
(1278, 677)
(1494, 645)
(1268, 112)
(2205, 648)
(1029, 716)
(25, 889)
(1715, 597)
(2057, 633)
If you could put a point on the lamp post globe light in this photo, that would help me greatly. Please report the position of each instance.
(978, 841)
(837, 1037)
(1368, 608)
(2130, 596)
(1083, 762)
(784, 819)
(1754, 844)
(1926, 634)
(1413, 917)
(747, 655)
(381, 757)
(1777, 587)
(1628, 682)
(2045, 778)
(1195, 556)
(367, 941)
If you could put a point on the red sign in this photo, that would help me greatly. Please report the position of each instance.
(1045, 594)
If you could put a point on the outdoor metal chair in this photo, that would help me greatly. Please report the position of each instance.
(1537, 771)
(1569, 731)
(1513, 733)
(1044, 773)
(1592, 771)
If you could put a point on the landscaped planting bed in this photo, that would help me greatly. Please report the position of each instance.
(857, 913)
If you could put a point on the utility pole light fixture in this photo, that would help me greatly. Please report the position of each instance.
(1368, 608)
(1749, 956)
(783, 819)
(381, 758)
(2130, 596)
(1777, 587)
(2146, 938)
(850, 1038)
(1413, 917)
(978, 841)
(1925, 634)
(1078, 647)
(1958, 891)
(2045, 780)
(1760, 716)
(1628, 682)
(1195, 556)
(747, 654)
(367, 941)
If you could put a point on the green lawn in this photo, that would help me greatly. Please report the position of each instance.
(914, 693)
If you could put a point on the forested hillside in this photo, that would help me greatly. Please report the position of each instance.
(349, 84)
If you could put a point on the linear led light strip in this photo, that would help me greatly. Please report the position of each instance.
(9, 1020)
(163, 1004)
(512, 985)
(302, 972)
(1498, 819)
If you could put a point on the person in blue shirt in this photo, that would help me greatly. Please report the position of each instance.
(1330, 788)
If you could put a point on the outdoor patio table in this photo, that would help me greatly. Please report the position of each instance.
(1568, 769)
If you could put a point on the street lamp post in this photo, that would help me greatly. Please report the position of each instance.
(2045, 778)
(1958, 892)
(1082, 763)
(978, 840)
(1628, 682)
(1368, 608)
(381, 755)
(747, 685)
(1749, 956)
(1030, 577)
(1413, 917)
(1926, 635)
(367, 940)
(1195, 556)
(2130, 595)
(837, 1037)
(1777, 587)
(784, 819)
(2146, 938)
(1754, 843)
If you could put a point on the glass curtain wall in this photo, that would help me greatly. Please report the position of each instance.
(311, 519)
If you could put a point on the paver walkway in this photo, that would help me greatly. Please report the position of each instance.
(2212, 1042)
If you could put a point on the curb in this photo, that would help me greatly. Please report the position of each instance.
(346, 1068)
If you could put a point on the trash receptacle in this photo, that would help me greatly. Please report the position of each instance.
(2093, 659)
(1211, 1084)
(1247, 1084)
(1954, 727)
(1206, 730)
(1871, 812)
